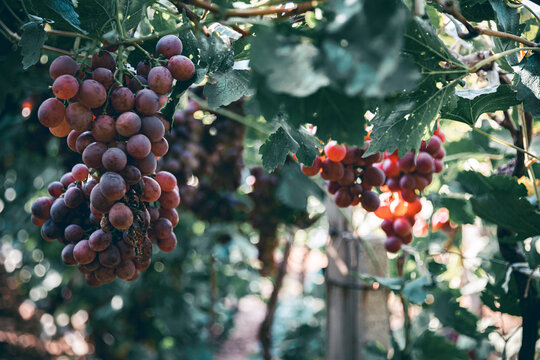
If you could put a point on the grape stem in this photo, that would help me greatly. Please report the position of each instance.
(67, 34)
(497, 56)
(232, 115)
(500, 141)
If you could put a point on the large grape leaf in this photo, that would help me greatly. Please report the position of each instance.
(32, 39)
(294, 188)
(224, 88)
(287, 140)
(501, 200)
(460, 210)
(286, 63)
(470, 104)
(133, 11)
(527, 84)
(215, 55)
(402, 122)
(362, 49)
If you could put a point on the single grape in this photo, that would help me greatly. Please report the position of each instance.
(160, 80)
(67, 255)
(51, 230)
(334, 151)
(314, 168)
(92, 94)
(147, 102)
(63, 65)
(160, 148)
(99, 201)
(56, 188)
(41, 207)
(169, 199)
(343, 197)
(168, 46)
(103, 59)
(51, 112)
(167, 244)
(73, 197)
(73, 233)
(103, 76)
(128, 124)
(72, 140)
(181, 67)
(105, 275)
(67, 179)
(100, 240)
(110, 257)
(407, 162)
(402, 227)
(114, 159)
(153, 128)
(79, 117)
(137, 83)
(424, 163)
(92, 155)
(434, 145)
(122, 99)
(388, 226)
(390, 168)
(121, 216)
(139, 146)
(131, 174)
(143, 68)
(82, 253)
(61, 130)
(103, 128)
(152, 190)
(373, 176)
(170, 214)
(166, 180)
(59, 211)
(126, 270)
(407, 182)
(370, 200)
(148, 165)
(392, 244)
(80, 172)
(332, 170)
(83, 140)
(112, 185)
(65, 87)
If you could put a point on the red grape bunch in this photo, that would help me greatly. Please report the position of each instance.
(110, 208)
(406, 178)
(212, 152)
(351, 177)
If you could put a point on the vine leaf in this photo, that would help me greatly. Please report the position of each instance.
(287, 140)
(224, 88)
(65, 9)
(430, 346)
(32, 39)
(501, 200)
(415, 291)
(470, 104)
(402, 122)
(294, 188)
(460, 210)
(288, 64)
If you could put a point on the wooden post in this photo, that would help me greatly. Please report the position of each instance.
(356, 314)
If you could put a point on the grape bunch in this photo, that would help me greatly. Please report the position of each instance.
(406, 178)
(211, 152)
(111, 207)
(351, 177)
(267, 213)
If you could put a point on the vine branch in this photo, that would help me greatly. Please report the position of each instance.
(449, 7)
(243, 13)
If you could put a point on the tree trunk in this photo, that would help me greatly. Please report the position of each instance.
(356, 314)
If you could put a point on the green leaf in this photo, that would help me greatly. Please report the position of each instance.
(507, 17)
(391, 283)
(134, 11)
(355, 59)
(476, 10)
(460, 210)
(95, 14)
(415, 290)
(429, 346)
(527, 84)
(294, 188)
(447, 309)
(402, 122)
(288, 140)
(215, 55)
(65, 9)
(470, 104)
(286, 63)
(501, 200)
(32, 39)
(224, 88)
